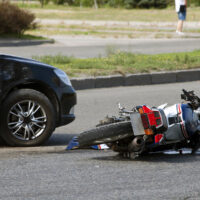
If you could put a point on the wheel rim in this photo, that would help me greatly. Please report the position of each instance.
(27, 120)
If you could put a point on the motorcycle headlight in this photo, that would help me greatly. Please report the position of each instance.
(62, 76)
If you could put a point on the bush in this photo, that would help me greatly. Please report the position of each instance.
(160, 3)
(146, 3)
(14, 20)
(101, 3)
(43, 2)
(84, 3)
(115, 3)
(62, 2)
(195, 2)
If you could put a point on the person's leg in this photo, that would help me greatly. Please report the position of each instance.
(180, 26)
(182, 18)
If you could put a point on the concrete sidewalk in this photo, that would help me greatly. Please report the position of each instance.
(84, 40)
(136, 29)
(134, 24)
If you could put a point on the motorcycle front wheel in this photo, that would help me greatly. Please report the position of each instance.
(106, 134)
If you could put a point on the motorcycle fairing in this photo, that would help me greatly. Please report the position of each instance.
(176, 125)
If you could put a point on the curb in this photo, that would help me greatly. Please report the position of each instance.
(11, 43)
(136, 79)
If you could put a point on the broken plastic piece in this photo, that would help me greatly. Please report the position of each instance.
(73, 144)
(100, 147)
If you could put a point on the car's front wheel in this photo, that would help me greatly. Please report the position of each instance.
(27, 118)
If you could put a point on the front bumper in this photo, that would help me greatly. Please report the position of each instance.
(66, 119)
(68, 101)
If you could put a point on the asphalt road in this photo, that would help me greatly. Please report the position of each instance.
(94, 47)
(50, 172)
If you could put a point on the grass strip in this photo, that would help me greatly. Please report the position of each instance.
(110, 14)
(117, 62)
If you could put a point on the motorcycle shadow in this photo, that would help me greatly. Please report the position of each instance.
(154, 157)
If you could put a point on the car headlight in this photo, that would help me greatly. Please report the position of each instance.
(62, 76)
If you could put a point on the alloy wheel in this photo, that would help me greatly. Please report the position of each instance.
(27, 120)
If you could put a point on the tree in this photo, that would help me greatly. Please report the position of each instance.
(95, 4)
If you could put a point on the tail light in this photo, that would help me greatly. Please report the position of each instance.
(148, 131)
(145, 121)
(150, 119)
(146, 125)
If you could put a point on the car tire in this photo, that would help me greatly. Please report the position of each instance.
(28, 118)
(106, 134)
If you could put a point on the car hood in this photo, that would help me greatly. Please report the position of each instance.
(25, 61)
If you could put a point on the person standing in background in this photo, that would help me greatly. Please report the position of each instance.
(181, 8)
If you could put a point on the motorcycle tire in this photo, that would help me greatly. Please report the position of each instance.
(106, 134)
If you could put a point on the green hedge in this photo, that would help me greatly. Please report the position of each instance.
(195, 2)
(116, 3)
(146, 3)
(121, 3)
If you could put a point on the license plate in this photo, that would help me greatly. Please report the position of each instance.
(136, 123)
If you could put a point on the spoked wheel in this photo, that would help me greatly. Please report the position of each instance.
(27, 118)
(106, 134)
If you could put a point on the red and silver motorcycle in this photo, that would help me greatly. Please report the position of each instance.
(144, 129)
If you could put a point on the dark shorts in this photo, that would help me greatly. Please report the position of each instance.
(182, 15)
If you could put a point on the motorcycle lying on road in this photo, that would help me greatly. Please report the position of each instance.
(143, 129)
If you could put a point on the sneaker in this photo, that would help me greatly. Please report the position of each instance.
(180, 33)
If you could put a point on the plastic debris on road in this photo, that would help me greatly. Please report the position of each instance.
(74, 144)
(100, 147)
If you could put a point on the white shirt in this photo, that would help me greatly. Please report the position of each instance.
(178, 3)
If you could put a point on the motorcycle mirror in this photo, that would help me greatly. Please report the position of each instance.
(120, 107)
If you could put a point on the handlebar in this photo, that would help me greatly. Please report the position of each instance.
(192, 98)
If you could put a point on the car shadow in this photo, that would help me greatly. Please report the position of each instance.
(57, 139)
(2, 143)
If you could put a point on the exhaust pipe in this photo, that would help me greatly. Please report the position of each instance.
(136, 144)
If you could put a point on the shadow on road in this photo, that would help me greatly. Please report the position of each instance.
(24, 42)
(54, 140)
(59, 139)
(2, 143)
(157, 157)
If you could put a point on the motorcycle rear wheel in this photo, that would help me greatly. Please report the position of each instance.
(106, 134)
